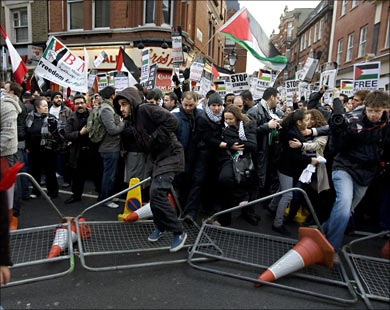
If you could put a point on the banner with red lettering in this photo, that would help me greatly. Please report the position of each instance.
(61, 66)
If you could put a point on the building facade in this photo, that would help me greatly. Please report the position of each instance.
(26, 25)
(361, 33)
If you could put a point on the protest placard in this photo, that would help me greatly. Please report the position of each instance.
(121, 80)
(261, 86)
(220, 88)
(239, 82)
(145, 66)
(346, 87)
(151, 83)
(329, 78)
(366, 76)
(102, 80)
(196, 71)
(177, 46)
(291, 88)
(91, 78)
(103, 55)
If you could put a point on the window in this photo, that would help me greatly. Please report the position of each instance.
(287, 53)
(320, 30)
(315, 32)
(20, 25)
(304, 41)
(349, 47)
(354, 3)
(75, 14)
(150, 7)
(387, 39)
(344, 7)
(339, 50)
(289, 30)
(309, 43)
(301, 47)
(101, 12)
(167, 12)
(362, 41)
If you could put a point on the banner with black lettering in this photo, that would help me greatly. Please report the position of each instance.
(61, 66)
(239, 82)
(366, 76)
(291, 88)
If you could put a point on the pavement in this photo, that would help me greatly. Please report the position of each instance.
(157, 287)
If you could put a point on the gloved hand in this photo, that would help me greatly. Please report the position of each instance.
(175, 80)
(186, 73)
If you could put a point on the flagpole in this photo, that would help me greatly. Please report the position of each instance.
(200, 51)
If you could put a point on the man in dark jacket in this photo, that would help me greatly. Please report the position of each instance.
(80, 147)
(155, 134)
(359, 139)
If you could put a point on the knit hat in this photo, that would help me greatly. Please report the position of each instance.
(215, 99)
(53, 94)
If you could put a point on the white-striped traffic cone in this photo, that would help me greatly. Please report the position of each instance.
(312, 248)
(139, 214)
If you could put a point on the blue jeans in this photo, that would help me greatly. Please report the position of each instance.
(110, 165)
(348, 195)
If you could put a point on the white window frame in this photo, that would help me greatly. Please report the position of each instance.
(301, 44)
(68, 3)
(94, 15)
(171, 17)
(9, 26)
(320, 30)
(344, 4)
(144, 15)
(315, 32)
(289, 30)
(309, 42)
(387, 38)
(339, 50)
(305, 41)
(348, 56)
(354, 3)
(363, 33)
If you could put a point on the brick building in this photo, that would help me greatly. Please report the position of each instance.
(286, 38)
(107, 25)
(26, 25)
(361, 33)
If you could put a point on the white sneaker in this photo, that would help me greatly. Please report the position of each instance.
(112, 205)
(33, 196)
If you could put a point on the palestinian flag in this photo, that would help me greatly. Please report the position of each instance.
(244, 30)
(215, 72)
(368, 71)
(126, 64)
(265, 75)
(346, 85)
(18, 67)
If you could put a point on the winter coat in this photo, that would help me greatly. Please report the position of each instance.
(359, 145)
(9, 111)
(291, 162)
(155, 133)
(111, 121)
(185, 132)
(75, 123)
(128, 138)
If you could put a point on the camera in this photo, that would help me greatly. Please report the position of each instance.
(338, 119)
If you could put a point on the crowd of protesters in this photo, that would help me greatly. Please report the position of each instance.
(216, 152)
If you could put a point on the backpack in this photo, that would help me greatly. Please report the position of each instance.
(95, 127)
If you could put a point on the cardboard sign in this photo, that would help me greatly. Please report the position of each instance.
(145, 66)
(196, 71)
(346, 87)
(308, 70)
(366, 76)
(303, 91)
(152, 77)
(240, 82)
(102, 80)
(103, 55)
(291, 88)
(261, 86)
(61, 66)
(205, 85)
(177, 46)
(329, 78)
(121, 80)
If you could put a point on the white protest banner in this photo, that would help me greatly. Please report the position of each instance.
(346, 87)
(145, 66)
(102, 80)
(103, 55)
(61, 66)
(303, 91)
(196, 71)
(220, 88)
(261, 86)
(240, 82)
(177, 46)
(91, 78)
(121, 80)
(205, 85)
(152, 77)
(329, 78)
(291, 88)
(366, 76)
(228, 83)
(308, 70)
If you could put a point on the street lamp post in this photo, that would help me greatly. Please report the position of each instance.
(232, 60)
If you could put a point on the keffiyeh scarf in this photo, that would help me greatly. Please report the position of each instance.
(214, 118)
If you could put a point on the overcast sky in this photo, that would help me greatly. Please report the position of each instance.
(267, 14)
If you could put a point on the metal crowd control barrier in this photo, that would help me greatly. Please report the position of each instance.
(371, 274)
(115, 245)
(255, 252)
(31, 247)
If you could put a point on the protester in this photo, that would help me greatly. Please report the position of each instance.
(237, 101)
(170, 101)
(228, 99)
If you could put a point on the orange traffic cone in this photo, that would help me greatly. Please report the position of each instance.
(13, 221)
(385, 252)
(312, 248)
(60, 242)
(139, 214)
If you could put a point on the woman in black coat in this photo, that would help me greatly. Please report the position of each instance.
(290, 164)
(240, 137)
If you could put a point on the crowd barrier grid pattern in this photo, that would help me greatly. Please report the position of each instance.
(371, 274)
(261, 251)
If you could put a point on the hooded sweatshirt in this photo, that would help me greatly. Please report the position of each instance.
(9, 110)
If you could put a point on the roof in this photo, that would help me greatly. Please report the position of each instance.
(318, 9)
(232, 5)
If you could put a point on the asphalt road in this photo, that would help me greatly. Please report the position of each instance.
(164, 287)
